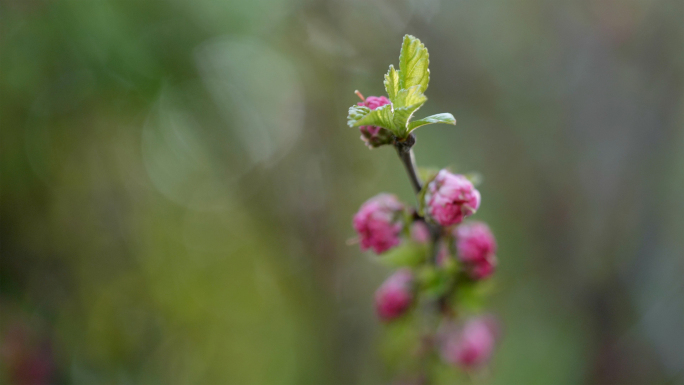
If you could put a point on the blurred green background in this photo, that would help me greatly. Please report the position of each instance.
(178, 182)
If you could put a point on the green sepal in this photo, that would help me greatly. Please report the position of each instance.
(423, 191)
(474, 177)
(427, 173)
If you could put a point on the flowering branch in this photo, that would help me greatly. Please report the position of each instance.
(441, 258)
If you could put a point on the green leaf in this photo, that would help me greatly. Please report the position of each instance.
(395, 120)
(402, 116)
(356, 113)
(392, 83)
(409, 97)
(381, 116)
(445, 118)
(408, 101)
(405, 88)
(363, 116)
(413, 64)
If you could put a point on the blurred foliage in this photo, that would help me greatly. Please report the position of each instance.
(178, 181)
(407, 254)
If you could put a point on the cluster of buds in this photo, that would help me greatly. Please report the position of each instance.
(383, 223)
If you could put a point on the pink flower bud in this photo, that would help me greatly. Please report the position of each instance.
(379, 222)
(476, 248)
(420, 232)
(395, 295)
(27, 357)
(442, 254)
(375, 136)
(450, 198)
(483, 269)
(374, 102)
(472, 345)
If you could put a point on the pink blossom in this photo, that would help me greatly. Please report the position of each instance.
(395, 295)
(420, 232)
(375, 136)
(374, 102)
(472, 345)
(379, 222)
(450, 198)
(484, 269)
(476, 248)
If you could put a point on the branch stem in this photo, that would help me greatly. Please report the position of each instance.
(405, 152)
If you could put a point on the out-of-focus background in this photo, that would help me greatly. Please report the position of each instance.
(178, 183)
